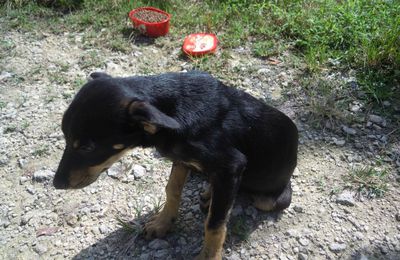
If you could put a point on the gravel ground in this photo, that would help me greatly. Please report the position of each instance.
(327, 220)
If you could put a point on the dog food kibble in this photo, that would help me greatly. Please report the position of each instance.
(150, 16)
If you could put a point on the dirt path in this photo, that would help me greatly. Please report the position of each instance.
(40, 74)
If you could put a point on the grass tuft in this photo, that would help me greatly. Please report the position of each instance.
(240, 229)
(327, 101)
(369, 181)
(128, 226)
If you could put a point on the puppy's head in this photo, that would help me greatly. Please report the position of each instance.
(103, 122)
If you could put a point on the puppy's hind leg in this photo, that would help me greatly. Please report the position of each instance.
(274, 202)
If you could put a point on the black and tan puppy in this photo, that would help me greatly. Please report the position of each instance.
(197, 122)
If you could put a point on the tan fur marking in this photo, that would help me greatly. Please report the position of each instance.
(162, 222)
(150, 128)
(264, 203)
(213, 242)
(118, 146)
(83, 177)
(195, 165)
(134, 105)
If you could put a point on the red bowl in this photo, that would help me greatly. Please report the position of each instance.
(199, 44)
(152, 29)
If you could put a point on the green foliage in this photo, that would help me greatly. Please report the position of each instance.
(239, 228)
(369, 181)
(359, 34)
(326, 100)
(131, 228)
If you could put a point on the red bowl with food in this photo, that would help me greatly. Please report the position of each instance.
(150, 21)
(199, 44)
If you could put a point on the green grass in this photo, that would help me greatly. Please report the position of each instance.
(240, 229)
(326, 101)
(369, 181)
(129, 227)
(41, 151)
(2, 104)
(358, 34)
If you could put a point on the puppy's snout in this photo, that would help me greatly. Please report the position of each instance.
(60, 184)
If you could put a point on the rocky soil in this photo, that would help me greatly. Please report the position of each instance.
(328, 218)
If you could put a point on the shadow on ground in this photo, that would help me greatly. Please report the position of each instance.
(137, 38)
(185, 241)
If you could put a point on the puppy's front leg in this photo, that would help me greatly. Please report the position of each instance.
(161, 223)
(224, 189)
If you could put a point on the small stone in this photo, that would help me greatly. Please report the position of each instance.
(71, 220)
(114, 171)
(302, 256)
(384, 249)
(298, 209)
(304, 241)
(138, 171)
(296, 172)
(103, 229)
(386, 103)
(398, 216)
(264, 71)
(340, 142)
(349, 130)
(43, 175)
(359, 235)
(144, 256)
(21, 163)
(237, 210)
(161, 254)
(355, 108)
(337, 247)
(25, 219)
(346, 198)
(292, 233)
(361, 256)
(23, 179)
(234, 256)
(182, 241)
(5, 74)
(158, 244)
(30, 190)
(251, 211)
(377, 120)
(4, 222)
(40, 249)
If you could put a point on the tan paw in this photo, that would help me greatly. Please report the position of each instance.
(207, 255)
(158, 226)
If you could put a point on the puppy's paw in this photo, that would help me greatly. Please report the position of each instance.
(158, 226)
(206, 256)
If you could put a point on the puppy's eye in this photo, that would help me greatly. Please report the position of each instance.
(87, 148)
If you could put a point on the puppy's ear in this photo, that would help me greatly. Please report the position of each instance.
(150, 117)
(96, 75)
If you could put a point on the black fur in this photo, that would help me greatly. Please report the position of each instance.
(239, 141)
